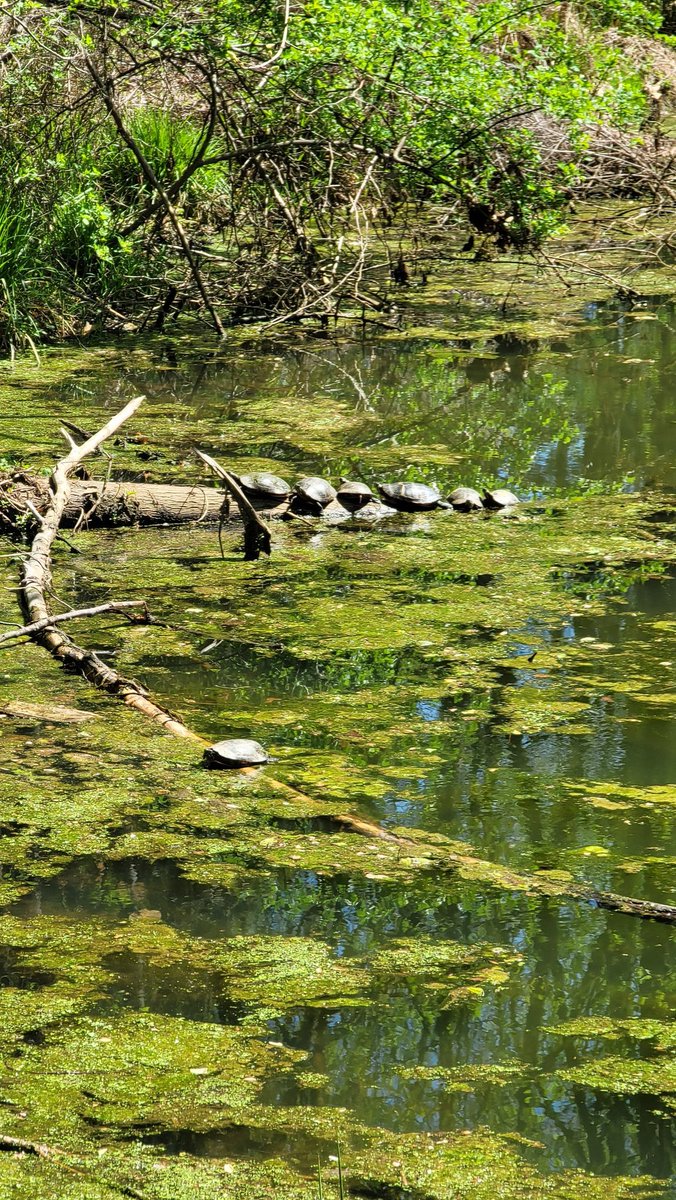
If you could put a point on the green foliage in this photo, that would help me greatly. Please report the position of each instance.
(631, 16)
(83, 229)
(18, 271)
(363, 115)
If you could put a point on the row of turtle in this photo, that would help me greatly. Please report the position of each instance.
(313, 494)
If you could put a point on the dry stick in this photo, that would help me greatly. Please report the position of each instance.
(257, 536)
(36, 580)
(71, 615)
(106, 89)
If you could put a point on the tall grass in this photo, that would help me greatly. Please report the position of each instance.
(19, 264)
(169, 143)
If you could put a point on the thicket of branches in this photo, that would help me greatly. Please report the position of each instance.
(250, 158)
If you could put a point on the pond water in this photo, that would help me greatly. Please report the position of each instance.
(499, 686)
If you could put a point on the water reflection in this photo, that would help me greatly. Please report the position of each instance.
(544, 416)
(368, 1053)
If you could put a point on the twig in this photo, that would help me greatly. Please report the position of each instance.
(71, 615)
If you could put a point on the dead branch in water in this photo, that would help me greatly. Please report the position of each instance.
(23, 1146)
(257, 536)
(73, 614)
(36, 580)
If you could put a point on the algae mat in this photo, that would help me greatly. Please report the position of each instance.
(207, 989)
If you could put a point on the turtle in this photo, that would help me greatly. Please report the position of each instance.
(235, 752)
(499, 498)
(410, 497)
(353, 495)
(465, 499)
(314, 493)
(264, 485)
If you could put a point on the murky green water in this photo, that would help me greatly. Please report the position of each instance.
(390, 671)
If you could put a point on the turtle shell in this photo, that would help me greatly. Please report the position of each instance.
(315, 492)
(465, 499)
(353, 495)
(409, 497)
(264, 483)
(235, 752)
(500, 498)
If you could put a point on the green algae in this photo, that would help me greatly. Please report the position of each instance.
(625, 1076)
(469, 1078)
(662, 1033)
(373, 663)
(477, 1164)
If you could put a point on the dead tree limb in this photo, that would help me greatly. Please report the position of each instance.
(36, 579)
(71, 615)
(257, 536)
(23, 1146)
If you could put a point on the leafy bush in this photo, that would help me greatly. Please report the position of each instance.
(281, 156)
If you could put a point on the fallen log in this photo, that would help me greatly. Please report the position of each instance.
(95, 503)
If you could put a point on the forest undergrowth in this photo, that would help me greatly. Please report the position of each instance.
(245, 161)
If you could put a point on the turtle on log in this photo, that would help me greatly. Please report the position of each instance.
(264, 486)
(353, 495)
(312, 494)
(499, 498)
(410, 497)
(465, 499)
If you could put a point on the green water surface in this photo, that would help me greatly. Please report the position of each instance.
(205, 984)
